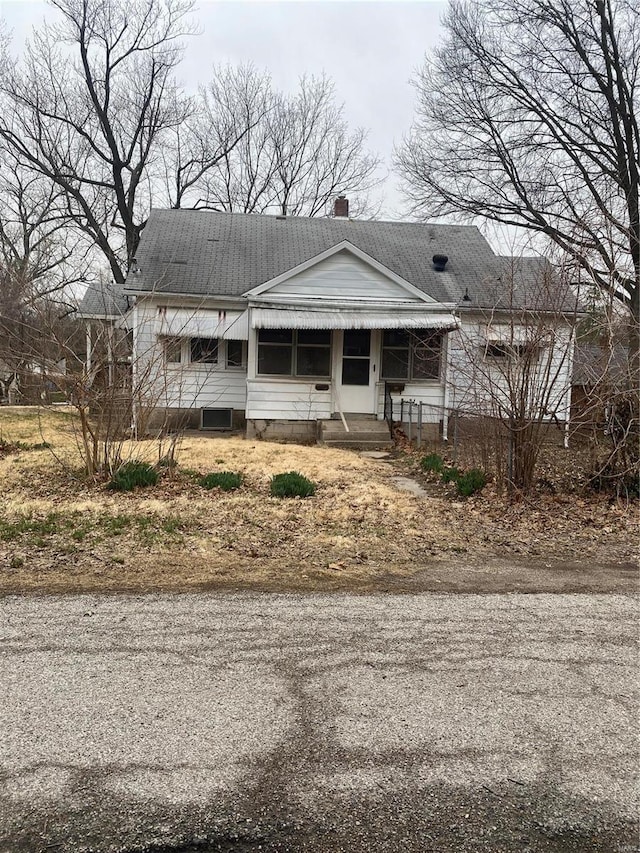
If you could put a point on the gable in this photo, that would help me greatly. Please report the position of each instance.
(342, 274)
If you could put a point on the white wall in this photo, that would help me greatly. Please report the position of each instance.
(430, 393)
(183, 385)
(287, 399)
(479, 382)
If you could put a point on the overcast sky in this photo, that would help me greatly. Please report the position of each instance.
(369, 49)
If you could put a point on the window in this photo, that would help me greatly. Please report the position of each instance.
(313, 352)
(289, 352)
(275, 351)
(235, 353)
(411, 355)
(204, 350)
(172, 350)
(504, 349)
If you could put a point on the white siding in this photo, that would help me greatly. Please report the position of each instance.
(183, 385)
(479, 382)
(344, 278)
(284, 399)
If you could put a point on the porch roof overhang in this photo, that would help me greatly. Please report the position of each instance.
(287, 318)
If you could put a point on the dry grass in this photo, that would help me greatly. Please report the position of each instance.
(58, 532)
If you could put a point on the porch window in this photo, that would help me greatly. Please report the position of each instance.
(204, 350)
(313, 352)
(294, 352)
(411, 355)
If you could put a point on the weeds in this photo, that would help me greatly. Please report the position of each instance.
(432, 462)
(133, 475)
(291, 485)
(471, 482)
(149, 529)
(467, 482)
(225, 480)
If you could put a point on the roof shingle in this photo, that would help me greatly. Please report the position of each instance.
(202, 253)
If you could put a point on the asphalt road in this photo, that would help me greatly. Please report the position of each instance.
(318, 723)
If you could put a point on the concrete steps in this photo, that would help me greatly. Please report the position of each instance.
(364, 434)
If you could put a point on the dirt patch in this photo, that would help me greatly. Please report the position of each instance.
(361, 531)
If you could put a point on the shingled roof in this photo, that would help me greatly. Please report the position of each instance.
(103, 301)
(202, 253)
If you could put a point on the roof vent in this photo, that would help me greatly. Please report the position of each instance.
(466, 297)
(439, 262)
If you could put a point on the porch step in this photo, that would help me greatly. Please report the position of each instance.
(362, 435)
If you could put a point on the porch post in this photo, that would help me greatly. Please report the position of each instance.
(89, 348)
(445, 399)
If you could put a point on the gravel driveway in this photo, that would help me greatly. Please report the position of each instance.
(318, 723)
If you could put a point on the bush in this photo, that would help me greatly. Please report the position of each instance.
(133, 474)
(450, 475)
(225, 480)
(471, 482)
(291, 485)
(432, 462)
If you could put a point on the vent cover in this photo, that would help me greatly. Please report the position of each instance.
(216, 418)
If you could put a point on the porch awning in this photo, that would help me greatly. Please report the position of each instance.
(200, 323)
(285, 318)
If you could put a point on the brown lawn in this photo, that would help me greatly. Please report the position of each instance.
(359, 532)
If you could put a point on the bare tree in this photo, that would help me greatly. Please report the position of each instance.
(89, 107)
(294, 153)
(527, 115)
(40, 261)
(511, 369)
(95, 110)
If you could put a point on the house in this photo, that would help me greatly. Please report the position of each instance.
(282, 324)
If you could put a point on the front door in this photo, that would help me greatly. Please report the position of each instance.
(356, 372)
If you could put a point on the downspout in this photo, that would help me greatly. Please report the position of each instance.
(134, 371)
(251, 363)
(89, 347)
(567, 419)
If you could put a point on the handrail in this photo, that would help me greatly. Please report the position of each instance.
(336, 397)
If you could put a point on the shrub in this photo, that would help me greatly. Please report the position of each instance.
(432, 462)
(471, 482)
(450, 475)
(291, 485)
(225, 480)
(133, 474)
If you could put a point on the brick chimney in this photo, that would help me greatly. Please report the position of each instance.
(341, 206)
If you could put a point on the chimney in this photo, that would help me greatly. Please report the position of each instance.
(341, 206)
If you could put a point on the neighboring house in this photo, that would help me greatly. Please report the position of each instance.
(280, 323)
(602, 375)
